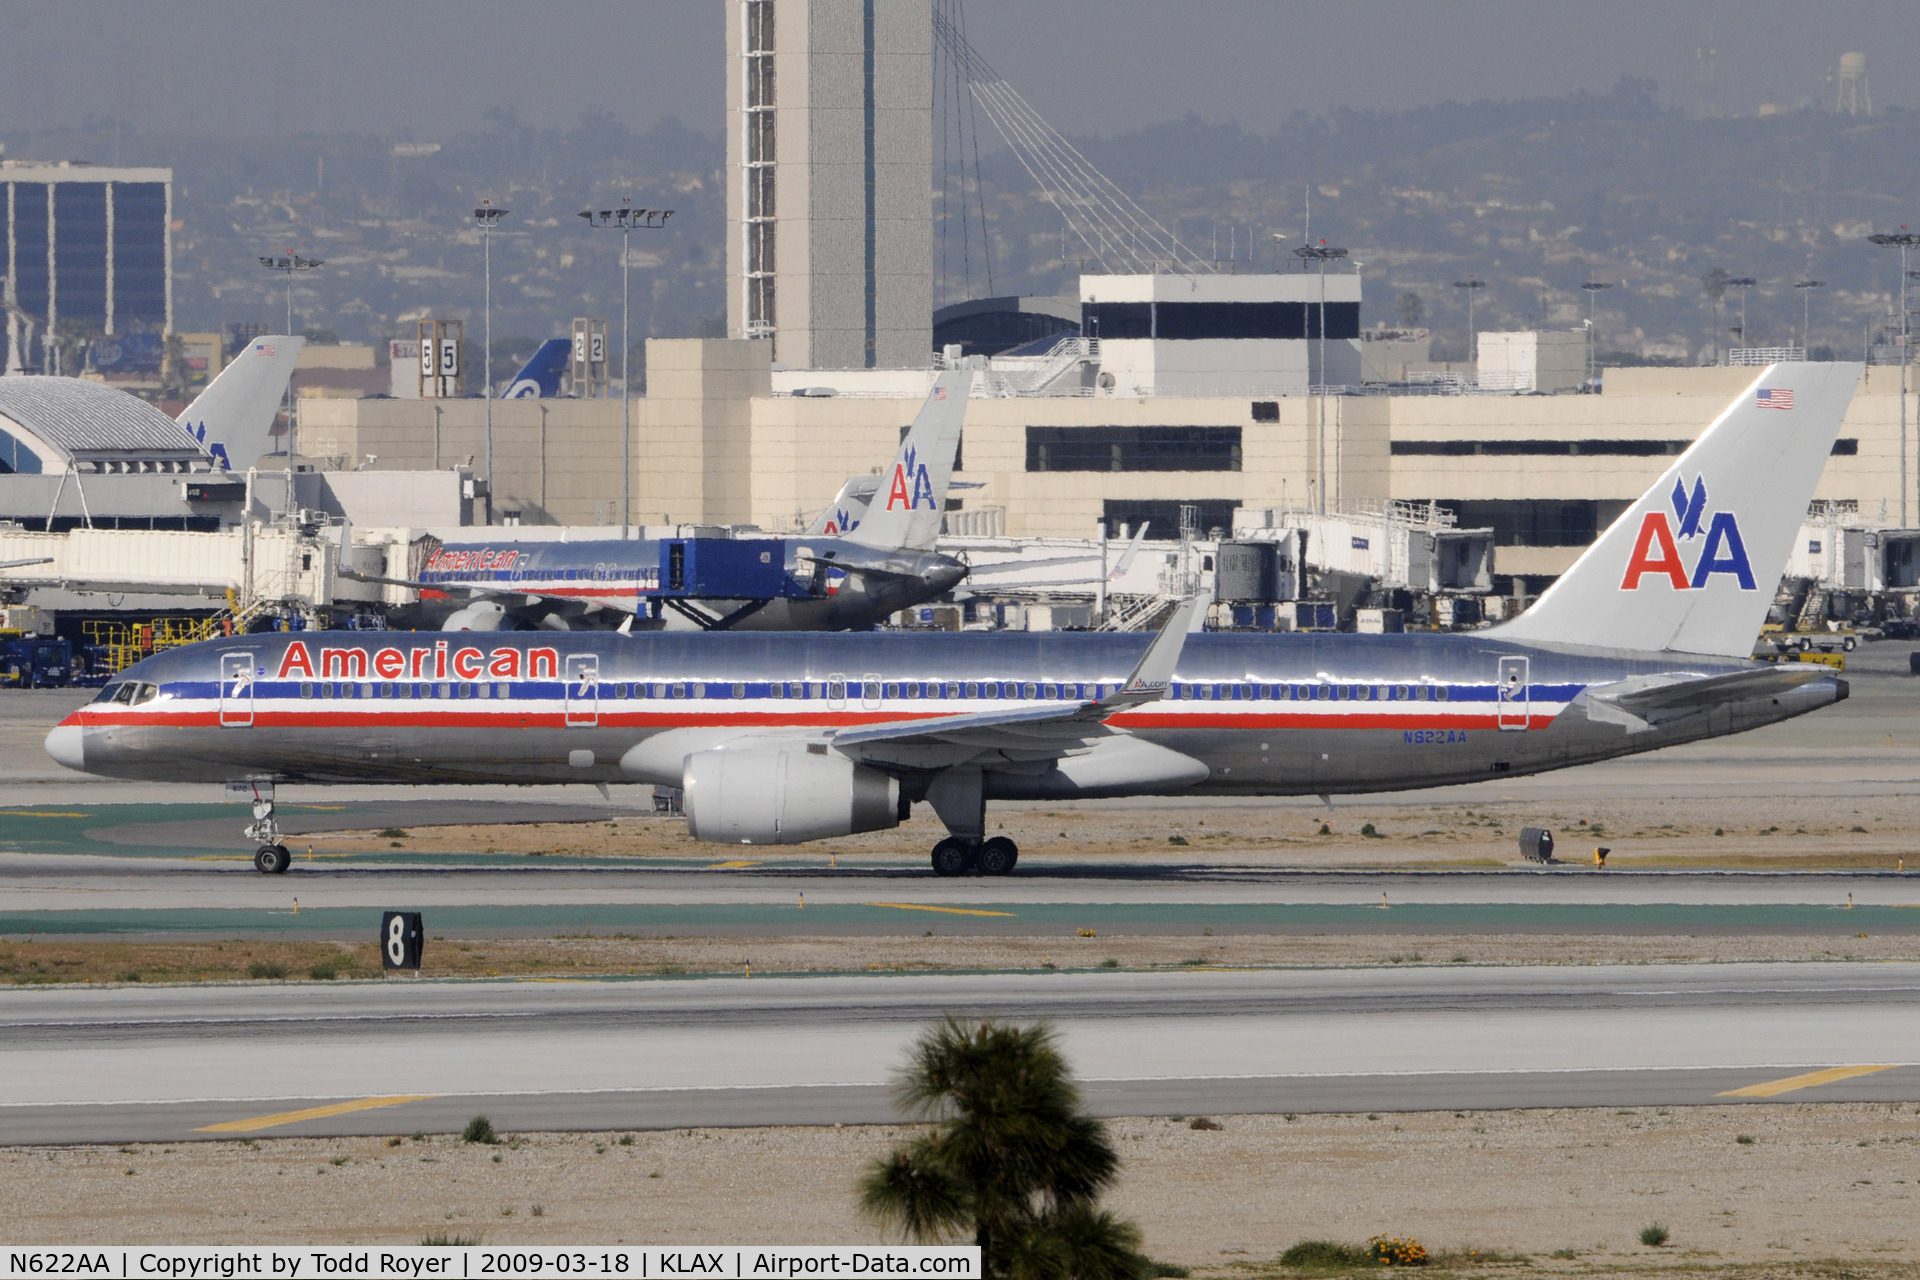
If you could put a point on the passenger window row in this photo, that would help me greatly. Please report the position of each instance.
(1317, 692)
(403, 690)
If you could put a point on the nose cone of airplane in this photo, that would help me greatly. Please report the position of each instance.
(65, 744)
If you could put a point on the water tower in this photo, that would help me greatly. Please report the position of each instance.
(1854, 98)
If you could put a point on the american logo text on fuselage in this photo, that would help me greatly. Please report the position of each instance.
(440, 661)
(1657, 548)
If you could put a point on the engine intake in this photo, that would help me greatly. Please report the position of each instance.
(784, 796)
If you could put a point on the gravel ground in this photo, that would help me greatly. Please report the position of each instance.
(1832, 1182)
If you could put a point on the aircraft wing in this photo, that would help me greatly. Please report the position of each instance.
(1048, 729)
(21, 564)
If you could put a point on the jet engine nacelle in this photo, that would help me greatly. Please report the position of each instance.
(784, 795)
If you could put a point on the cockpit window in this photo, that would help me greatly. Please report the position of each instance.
(109, 693)
(148, 692)
(126, 693)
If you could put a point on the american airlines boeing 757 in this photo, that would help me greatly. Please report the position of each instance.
(783, 738)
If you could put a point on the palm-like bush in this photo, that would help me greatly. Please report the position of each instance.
(1009, 1159)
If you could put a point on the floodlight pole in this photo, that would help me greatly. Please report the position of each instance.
(1320, 254)
(1903, 240)
(1473, 285)
(1743, 283)
(1806, 312)
(488, 217)
(1593, 288)
(626, 218)
(287, 264)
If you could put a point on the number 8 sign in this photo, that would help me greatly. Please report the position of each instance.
(402, 939)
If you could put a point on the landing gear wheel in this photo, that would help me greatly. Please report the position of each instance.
(272, 859)
(997, 856)
(952, 857)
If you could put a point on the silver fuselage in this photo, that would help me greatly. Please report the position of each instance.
(1279, 714)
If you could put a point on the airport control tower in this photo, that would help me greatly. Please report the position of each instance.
(830, 180)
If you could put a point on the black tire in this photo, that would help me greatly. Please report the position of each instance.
(997, 856)
(952, 857)
(1849, 644)
(265, 860)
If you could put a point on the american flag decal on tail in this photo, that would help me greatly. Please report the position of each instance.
(1774, 398)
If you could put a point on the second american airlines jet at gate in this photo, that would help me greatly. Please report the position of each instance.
(821, 581)
(779, 739)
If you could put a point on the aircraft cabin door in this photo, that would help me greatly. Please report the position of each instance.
(236, 690)
(583, 690)
(1513, 693)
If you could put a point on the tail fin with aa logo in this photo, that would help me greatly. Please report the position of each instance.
(911, 500)
(1693, 565)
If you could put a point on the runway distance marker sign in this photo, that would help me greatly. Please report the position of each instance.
(476, 1262)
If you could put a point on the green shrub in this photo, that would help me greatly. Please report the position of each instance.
(1744, 1139)
(327, 970)
(1654, 1234)
(266, 969)
(1325, 1253)
(442, 1240)
(392, 833)
(479, 1129)
(1370, 833)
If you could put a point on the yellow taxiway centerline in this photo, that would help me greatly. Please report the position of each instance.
(311, 1113)
(951, 911)
(1773, 1088)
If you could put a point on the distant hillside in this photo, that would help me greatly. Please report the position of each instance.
(1533, 196)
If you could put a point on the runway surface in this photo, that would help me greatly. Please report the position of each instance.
(126, 1064)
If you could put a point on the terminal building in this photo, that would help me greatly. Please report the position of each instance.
(84, 243)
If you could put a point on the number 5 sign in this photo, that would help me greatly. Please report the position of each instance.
(402, 939)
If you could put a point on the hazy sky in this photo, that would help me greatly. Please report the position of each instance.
(431, 67)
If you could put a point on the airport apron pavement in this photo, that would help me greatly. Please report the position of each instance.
(174, 1063)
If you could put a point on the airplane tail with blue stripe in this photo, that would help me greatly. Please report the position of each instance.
(1694, 564)
(540, 378)
(234, 416)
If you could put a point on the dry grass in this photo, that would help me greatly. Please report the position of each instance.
(26, 963)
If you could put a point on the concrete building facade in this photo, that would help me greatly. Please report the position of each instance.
(715, 443)
(830, 180)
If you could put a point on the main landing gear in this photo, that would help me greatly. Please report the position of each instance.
(959, 856)
(959, 797)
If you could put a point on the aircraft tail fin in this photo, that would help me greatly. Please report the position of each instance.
(848, 509)
(1694, 564)
(539, 379)
(911, 500)
(233, 417)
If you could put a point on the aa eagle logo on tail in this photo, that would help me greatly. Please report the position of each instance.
(911, 487)
(1656, 552)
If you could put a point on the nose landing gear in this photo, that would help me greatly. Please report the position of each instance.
(272, 858)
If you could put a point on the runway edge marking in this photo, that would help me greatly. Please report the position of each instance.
(311, 1113)
(950, 911)
(1773, 1088)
